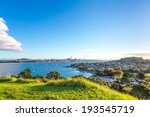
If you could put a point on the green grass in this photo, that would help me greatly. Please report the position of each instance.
(65, 89)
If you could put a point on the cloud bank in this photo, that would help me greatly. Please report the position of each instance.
(7, 42)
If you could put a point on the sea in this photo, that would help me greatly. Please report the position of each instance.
(8, 69)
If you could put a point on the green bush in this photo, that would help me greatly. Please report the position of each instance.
(5, 79)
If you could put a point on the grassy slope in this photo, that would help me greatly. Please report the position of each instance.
(68, 89)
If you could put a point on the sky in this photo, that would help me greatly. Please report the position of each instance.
(85, 29)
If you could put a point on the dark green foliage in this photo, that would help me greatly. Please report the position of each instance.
(15, 76)
(109, 72)
(127, 77)
(116, 72)
(45, 80)
(116, 86)
(38, 76)
(53, 75)
(5, 79)
(141, 92)
(141, 76)
(79, 76)
(128, 74)
(25, 74)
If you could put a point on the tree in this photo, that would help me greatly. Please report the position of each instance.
(25, 74)
(127, 77)
(117, 86)
(53, 75)
(109, 72)
(128, 74)
(118, 73)
(21, 74)
(141, 92)
(141, 76)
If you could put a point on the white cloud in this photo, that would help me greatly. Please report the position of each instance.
(7, 42)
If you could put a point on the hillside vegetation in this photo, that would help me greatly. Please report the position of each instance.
(62, 89)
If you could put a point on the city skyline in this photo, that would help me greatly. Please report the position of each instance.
(84, 29)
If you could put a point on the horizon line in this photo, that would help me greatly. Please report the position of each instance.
(71, 58)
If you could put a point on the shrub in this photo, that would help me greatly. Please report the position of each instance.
(79, 76)
(141, 75)
(5, 79)
(53, 75)
(45, 80)
(141, 92)
(25, 74)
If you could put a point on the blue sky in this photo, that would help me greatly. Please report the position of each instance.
(92, 29)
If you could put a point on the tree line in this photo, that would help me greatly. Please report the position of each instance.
(27, 74)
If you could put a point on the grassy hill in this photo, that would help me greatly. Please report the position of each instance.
(65, 89)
